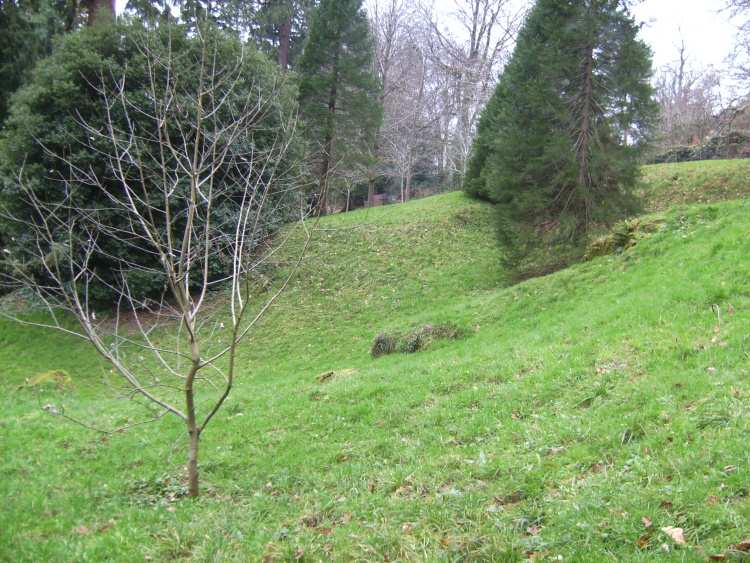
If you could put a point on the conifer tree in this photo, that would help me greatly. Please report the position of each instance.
(558, 144)
(339, 93)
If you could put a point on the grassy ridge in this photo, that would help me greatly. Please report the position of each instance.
(574, 406)
(666, 185)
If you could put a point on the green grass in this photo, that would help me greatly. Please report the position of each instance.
(572, 407)
(666, 185)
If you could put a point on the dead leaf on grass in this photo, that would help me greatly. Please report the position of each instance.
(325, 376)
(534, 530)
(644, 541)
(677, 535)
(512, 498)
(312, 520)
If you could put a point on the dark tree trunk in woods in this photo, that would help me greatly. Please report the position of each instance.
(99, 11)
(372, 176)
(371, 191)
(285, 35)
(325, 168)
(584, 133)
(407, 187)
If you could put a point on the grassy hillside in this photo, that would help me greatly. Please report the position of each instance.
(666, 185)
(572, 408)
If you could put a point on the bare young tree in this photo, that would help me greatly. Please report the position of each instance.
(189, 149)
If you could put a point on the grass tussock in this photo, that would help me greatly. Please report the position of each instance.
(413, 341)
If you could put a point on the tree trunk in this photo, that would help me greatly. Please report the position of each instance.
(583, 143)
(372, 175)
(192, 465)
(407, 187)
(193, 429)
(325, 168)
(285, 36)
(99, 11)
(371, 191)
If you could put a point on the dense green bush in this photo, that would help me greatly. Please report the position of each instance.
(46, 118)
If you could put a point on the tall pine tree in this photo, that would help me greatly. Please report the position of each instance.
(338, 94)
(558, 144)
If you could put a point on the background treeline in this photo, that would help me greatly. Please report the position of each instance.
(387, 99)
(431, 75)
(385, 102)
(435, 74)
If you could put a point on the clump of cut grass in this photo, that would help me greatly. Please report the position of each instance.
(413, 341)
(383, 344)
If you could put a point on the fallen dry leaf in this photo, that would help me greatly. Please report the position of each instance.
(512, 498)
(533, 530)
(676, 534)
(325, 376)
(666, 505)
(717, 557)
(644, 541)
(712, 500)
(744, 545)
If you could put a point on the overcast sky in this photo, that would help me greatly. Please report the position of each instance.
(708, 33)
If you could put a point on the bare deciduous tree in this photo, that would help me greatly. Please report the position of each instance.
(688, 100)
(469, 59)
(436, 76)
(741, 58)
(196, 153)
